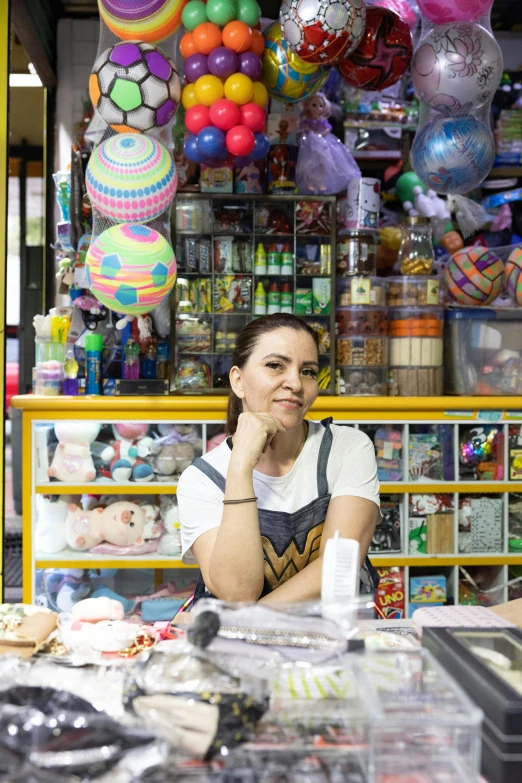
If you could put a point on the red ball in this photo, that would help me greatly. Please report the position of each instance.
(224, 114)
(382, 56)
(197, 118)
(253, 117)
(240, 141)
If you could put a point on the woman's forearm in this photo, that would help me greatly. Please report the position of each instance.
(304, 586)
(236, 565)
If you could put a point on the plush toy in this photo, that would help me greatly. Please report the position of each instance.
(215, 441)
(75, 586)
(175, 449)
(153, 527)
(94, 610)
(50, 526)
(121, 523)
(127, 452)
(170, 543)
(72, 459)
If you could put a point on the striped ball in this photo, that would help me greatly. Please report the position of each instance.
(514, 274)
(131, 178)
(130, 268)
(142, 20)
(474, 276)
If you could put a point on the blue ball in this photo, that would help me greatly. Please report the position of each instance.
(453, 154)
(261, 146)
(192, 151)
(211, 142)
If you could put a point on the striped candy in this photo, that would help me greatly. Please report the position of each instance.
(474, 276)
(130, 268)
(142, 20)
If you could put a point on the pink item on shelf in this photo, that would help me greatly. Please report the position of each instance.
(121, 524)
(457, 617)
(93, 610)
(143, 548)
(442, 11)
(216, 441)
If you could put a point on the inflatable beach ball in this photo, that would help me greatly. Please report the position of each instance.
(142, 20)
(130, 268)
(514, 274)
(285, 75)
(474, 276)
(131, 178)
(135, 87)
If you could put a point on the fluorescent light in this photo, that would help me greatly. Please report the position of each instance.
(24, 80)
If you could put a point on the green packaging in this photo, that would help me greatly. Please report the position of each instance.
(303, 301)
(322, 291)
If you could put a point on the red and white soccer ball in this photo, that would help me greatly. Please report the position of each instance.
(321, 31)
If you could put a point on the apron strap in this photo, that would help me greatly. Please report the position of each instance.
(322, 462)
(213, 474)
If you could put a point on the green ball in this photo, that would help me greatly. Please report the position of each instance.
(194, 13)
(249, 12)
(221, 12)
(405, 185)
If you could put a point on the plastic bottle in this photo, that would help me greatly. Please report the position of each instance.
(287, 299)
(260, 300)
(131, 366)
(274, 299)
(274, 260)
(163, 360)
(260, 260)
(70, 375)
(148, 362)
(93, 363)
(287, 260)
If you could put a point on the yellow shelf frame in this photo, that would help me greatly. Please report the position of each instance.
(121, 562)
(64, 488)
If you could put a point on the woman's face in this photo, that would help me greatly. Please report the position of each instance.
(280, 376)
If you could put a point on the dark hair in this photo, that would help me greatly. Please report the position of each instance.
(245, 345)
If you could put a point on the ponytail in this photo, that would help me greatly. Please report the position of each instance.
(234, 410)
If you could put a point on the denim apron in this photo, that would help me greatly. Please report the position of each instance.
(291, 540)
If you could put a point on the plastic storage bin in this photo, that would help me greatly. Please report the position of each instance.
(483, 351)
(413, 291)
(361, 320)
(416, 351)
(362, 351)
(362, 381)
(361, 291)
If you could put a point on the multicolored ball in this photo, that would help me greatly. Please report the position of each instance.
(285, 75)
(514, 274)
(474, 276)
(130, 268)
(142, 20)
(320, 31)
(131, 178)
(383, 54)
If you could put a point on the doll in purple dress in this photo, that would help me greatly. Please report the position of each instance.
(324, 165)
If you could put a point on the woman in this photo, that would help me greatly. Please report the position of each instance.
(256, 511)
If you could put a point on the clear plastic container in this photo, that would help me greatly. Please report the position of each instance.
(361, 320)
(194, 215)
(193, 334)
(357, 253)
(362, 351)
(362, 381)
(416, 254)
(361, 291)
(416, 381)
(413, 291)
(416, 337)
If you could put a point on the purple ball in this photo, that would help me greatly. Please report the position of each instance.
(195, 66)
(222, 62)
(250, 65)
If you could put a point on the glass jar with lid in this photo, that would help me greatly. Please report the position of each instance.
(416, 254)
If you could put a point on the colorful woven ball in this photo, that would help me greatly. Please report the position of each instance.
(285, 75)
(131, 178)
(135, 87)
(383, 54)
(474, 276)
(142, 20)
(514, 274)
(130, 268)
(320, 31)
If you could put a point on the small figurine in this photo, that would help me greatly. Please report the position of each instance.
(324, 164)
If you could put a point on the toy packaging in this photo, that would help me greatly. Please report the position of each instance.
(388, 450)
(282, 128)
(482, 453)
(428, 589)
(217, 180)
(282, 160)
(250, 178)
(418, 535)
(390, 596)
(232, 294)
(425, 456)
(387, 535)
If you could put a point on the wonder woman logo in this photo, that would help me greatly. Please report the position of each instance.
(280, 568)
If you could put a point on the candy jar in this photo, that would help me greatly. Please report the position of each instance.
(416, 254)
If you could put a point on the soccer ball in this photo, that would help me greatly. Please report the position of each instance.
(320, 31)
(285, 75)
(135, 87)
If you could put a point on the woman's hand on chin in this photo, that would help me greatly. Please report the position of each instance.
(255, 433)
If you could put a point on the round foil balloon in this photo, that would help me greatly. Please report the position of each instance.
(441, 11)
(130, 268)
(383, 54)
(131, 178)
(514, 274)
(285, 75)
(320, 31)
(456, 68)
(453, 155)
(135, 87)
(403, 9)
(142, 20)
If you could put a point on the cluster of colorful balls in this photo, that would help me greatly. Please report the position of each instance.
(224, 97)
(479, 446)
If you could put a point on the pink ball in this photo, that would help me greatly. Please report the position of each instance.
(240, 141)
(253, 117)
(442, 11)
(197, 118)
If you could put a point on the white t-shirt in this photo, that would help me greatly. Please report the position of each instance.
(352, 470)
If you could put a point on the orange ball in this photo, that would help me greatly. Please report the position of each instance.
(237, 36)
(206, 37)
(258, 43)
(186, 46)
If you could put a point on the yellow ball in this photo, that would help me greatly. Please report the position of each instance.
(188, 97)
(260, 94)
(209, 89)
(239, 89)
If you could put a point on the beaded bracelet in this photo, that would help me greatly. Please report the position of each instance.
(244, 500)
